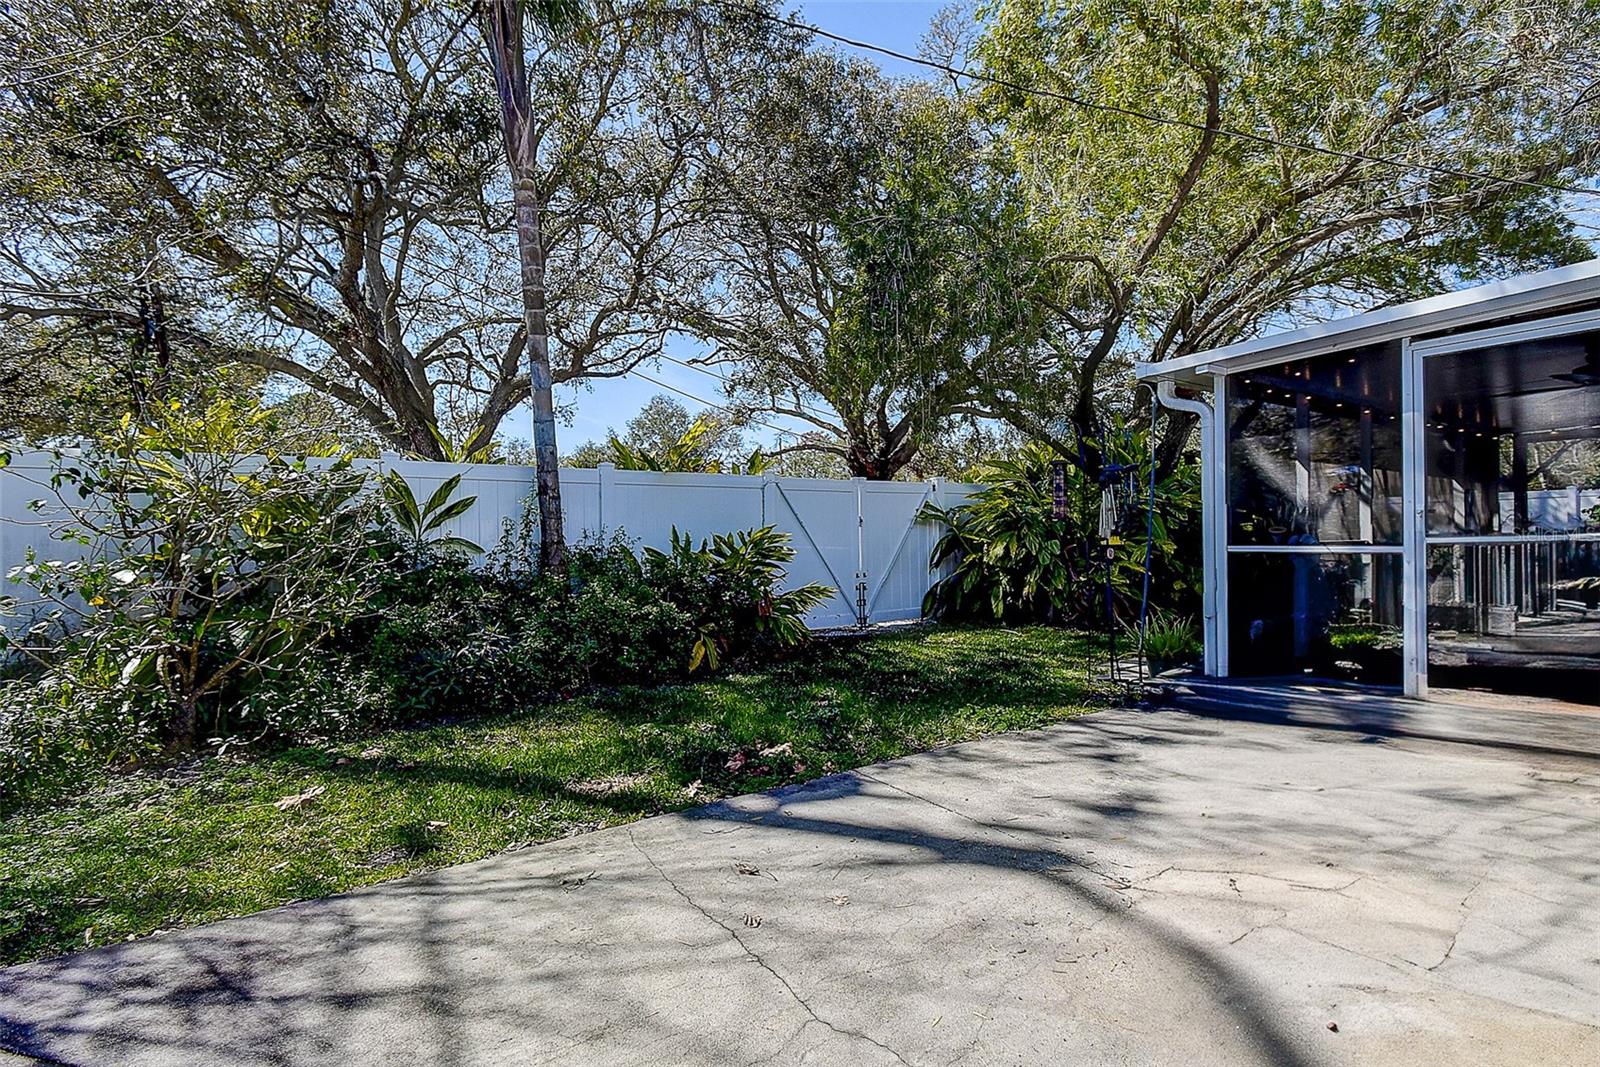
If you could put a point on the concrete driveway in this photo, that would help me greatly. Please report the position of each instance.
(1135, 887)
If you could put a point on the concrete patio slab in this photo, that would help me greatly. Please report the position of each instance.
(1534, 724)
(1141, 887)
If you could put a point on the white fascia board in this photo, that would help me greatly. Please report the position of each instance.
(1525, 294)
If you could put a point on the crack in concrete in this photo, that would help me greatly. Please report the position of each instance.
(733, 932)
(986, 1014)
(1258, 927)
(1455, 935)
(1251, 874)
(942, 807)
(1283, 924)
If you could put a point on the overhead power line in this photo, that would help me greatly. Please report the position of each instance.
(713, 374)
(711, 403)
(1149, 116)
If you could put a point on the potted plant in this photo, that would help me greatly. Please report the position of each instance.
(1170, 641)
(1373, 651)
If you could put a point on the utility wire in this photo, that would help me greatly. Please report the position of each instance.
(1148, 116)
(695, 366)
(713, 374)
(711, 403)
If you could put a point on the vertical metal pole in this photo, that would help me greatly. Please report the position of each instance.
(1217, 524)
(603, 473)
(861, 555)
(1209, 501)
(1414, 510)
(1368, 485)
(1302, 467)
(1519, 484)
(1213, 515)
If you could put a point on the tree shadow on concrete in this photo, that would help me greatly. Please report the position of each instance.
(564, 948)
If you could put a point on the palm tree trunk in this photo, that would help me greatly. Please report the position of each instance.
(503, 31)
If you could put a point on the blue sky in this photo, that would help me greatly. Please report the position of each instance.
(896, 24)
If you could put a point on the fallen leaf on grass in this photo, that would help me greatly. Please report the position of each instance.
(599, 788)
(299, 799)
(786, 749)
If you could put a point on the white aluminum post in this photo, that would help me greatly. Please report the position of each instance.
(604, 476)
(1414, 532)
(1217, 524)
(1213, 517)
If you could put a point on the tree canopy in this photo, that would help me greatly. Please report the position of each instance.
(319, 191)
(661, 426)
(866, 258)
(314, 200)
(1261, 199)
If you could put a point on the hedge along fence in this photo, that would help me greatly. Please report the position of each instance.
(861, 538)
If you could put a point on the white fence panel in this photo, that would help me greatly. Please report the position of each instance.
(823, 520)
(844, 533)
(25, 526)
(861, 538)
(500, 490)
(898, 547)
(647, 506)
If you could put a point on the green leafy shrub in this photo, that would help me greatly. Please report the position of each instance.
(1011, 560)
(285, 601)
(322, 698)
(1361, 650)
(417, 526)
(1354, 638)
(1169, 640)
(730, 585)
(438, 637)
(208, 578)
(206, 573)
(68, 720)
(448, 639)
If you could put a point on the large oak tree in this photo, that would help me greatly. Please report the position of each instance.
(865, 255)
(1167, 238)
(320, 190)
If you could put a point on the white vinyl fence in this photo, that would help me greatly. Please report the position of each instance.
(861, 538)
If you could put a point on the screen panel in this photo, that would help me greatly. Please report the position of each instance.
(1328, 614)
(1314, 451)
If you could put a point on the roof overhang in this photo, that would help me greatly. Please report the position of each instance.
(1526, 294)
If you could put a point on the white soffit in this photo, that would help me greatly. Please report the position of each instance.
(1546, 290)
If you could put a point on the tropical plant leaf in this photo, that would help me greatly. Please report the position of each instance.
(446, 490)
(453, 510)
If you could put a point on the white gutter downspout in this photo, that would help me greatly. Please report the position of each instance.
(1211, 497)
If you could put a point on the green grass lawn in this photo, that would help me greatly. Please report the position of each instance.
(227, 836)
